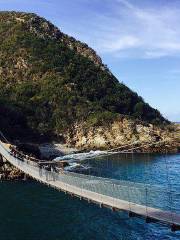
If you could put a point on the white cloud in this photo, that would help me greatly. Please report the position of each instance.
(147, 32)
(125, 42)
(117, 27)
(155, 54)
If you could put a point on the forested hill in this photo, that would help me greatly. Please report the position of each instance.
(49, 81)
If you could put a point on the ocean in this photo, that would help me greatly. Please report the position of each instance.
(32, 211)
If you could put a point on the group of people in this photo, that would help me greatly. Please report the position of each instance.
(17, 154)
(21, 156)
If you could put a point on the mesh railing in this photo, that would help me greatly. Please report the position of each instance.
(146, 195)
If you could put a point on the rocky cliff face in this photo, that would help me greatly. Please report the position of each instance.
(46, 74)
(55, 86)
(147, 137)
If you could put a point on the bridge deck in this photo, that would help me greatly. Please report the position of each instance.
(120, 195)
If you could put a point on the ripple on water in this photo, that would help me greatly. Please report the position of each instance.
(30, 211)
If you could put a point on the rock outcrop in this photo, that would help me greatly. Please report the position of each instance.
(146, 137)
(8, 172)
(49, 81)
(54, 87)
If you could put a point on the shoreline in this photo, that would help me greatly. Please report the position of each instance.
(51, 151)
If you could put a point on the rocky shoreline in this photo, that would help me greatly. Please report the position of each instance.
(83, 139)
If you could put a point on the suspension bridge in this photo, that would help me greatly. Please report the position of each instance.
(115, 194)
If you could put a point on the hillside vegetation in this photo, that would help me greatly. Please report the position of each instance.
(49, 81)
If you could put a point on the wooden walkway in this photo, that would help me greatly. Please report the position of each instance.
(99, 190)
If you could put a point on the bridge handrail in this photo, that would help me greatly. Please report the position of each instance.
(128, 197)
(116, 182)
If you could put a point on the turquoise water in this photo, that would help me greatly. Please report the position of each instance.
(31, 211)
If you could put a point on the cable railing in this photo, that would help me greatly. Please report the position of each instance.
(145, 199)
(113, 188)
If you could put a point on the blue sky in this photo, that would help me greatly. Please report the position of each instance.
(139, 40)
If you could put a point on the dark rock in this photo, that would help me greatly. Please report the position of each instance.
(29, 149)
(63, 164)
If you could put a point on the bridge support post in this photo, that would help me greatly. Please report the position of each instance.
(114, 209)
(101, 205)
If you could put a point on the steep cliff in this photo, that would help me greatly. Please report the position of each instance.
(50, 81)
(53, 87)
(135, 135)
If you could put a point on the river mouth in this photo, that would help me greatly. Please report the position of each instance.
(33, 211)
(80, 162)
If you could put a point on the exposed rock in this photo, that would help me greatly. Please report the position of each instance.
(8, 172)
(29, 149)
(63, 164)
(148, 138)
(86, 91)
(49, 81)
(117, 134)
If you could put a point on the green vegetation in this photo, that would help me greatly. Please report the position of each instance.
(49, 81)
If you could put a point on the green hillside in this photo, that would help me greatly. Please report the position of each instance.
(49, 81)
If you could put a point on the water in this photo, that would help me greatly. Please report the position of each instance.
(31, 211)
